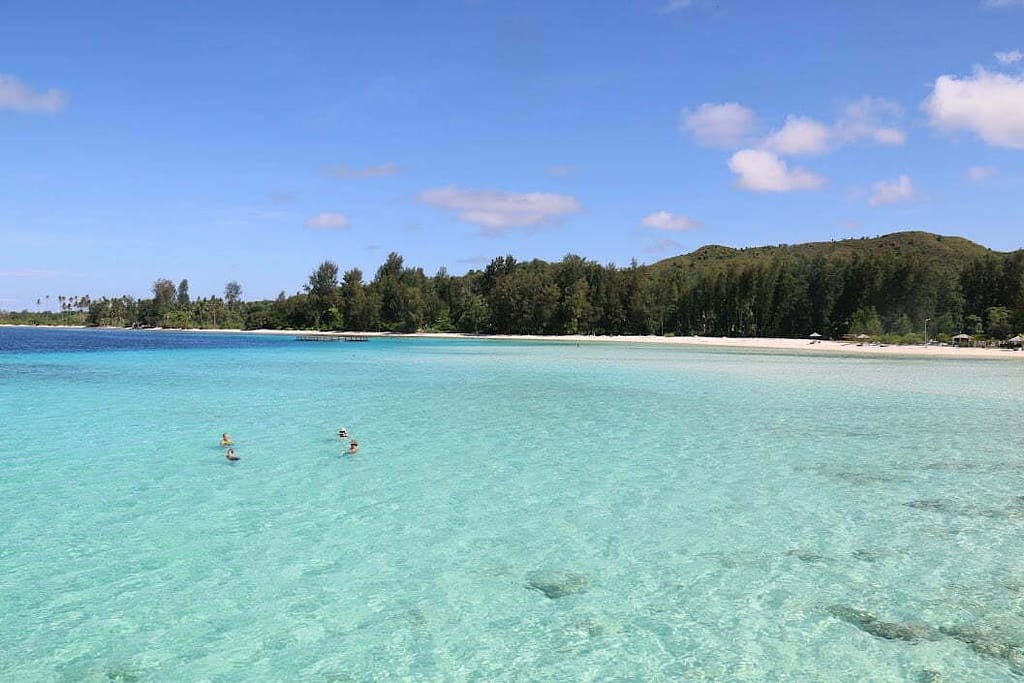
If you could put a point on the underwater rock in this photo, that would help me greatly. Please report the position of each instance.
(966, 509)
(868, 554)
(851, 615)
(909, 631)
(988, 645)
(557, 584)
(933, 504)
(808, 556)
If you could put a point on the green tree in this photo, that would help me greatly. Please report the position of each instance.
(322, 292)
(997, 322)
(232, 293)
(866, 321)
(183, 297)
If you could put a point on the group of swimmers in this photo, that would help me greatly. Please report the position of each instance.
(225, 442)
(353, 445)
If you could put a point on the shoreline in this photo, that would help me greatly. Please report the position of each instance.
(824, 347)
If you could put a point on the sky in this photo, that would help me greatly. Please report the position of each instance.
(249, 141)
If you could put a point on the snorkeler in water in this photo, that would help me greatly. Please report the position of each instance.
(225, 439)
(231, 455)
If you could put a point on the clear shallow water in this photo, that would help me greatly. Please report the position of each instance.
(713, 510)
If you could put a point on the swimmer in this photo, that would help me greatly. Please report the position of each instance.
(353, 447)
(225, 439)
(342, 433)
(231, 455)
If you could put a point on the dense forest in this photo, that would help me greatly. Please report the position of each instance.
(897, 287)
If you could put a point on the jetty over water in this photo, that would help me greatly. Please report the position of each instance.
(332, 338)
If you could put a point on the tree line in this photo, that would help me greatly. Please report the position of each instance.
(893, 287)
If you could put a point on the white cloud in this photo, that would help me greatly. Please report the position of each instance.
(800, 135)
(870, 118)
(495, 211)
(989, 104)
(328, 221)
(665, 220)
(1004, 3)
(762, 171)
(885, 192)
(368, 172)
(719, 125)
(1011, 57)
(978, 173)
(17, 96)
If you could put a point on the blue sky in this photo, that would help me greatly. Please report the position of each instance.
(248, 141)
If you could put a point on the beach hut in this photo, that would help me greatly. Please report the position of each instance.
(815, 337)
(961, 340)
(1015, 341)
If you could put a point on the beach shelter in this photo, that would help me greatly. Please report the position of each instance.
(1015, 341)
(815, 335)
(863, 336)
(961, 339)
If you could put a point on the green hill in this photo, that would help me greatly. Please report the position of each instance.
(937, 251)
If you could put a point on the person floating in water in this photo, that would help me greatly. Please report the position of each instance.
(231, 455)
(342, 433)
(225, 439)
(353, 447)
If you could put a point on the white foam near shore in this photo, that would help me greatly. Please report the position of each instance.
(823, 347)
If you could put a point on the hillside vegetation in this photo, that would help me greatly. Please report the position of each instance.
(897, 285)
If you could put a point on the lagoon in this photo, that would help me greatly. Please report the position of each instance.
(518, 511)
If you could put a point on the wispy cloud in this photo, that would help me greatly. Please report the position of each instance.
(1003, 3)
(496, 211)
(976, 174)
(17, 96)
(988, 104)
(725, 125)
(378, 171)
(561, 170)
(28, 274)
(328, 221)
(870, 118)
(761, 171)
(892, 192)
(675, 6)
(1009, 57)
(663, 245)
(665, 220)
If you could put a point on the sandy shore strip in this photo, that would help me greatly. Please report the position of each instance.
(823, 347)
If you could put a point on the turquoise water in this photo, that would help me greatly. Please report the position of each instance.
(517, 512)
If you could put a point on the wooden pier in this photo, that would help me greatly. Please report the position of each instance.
(332, 338)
